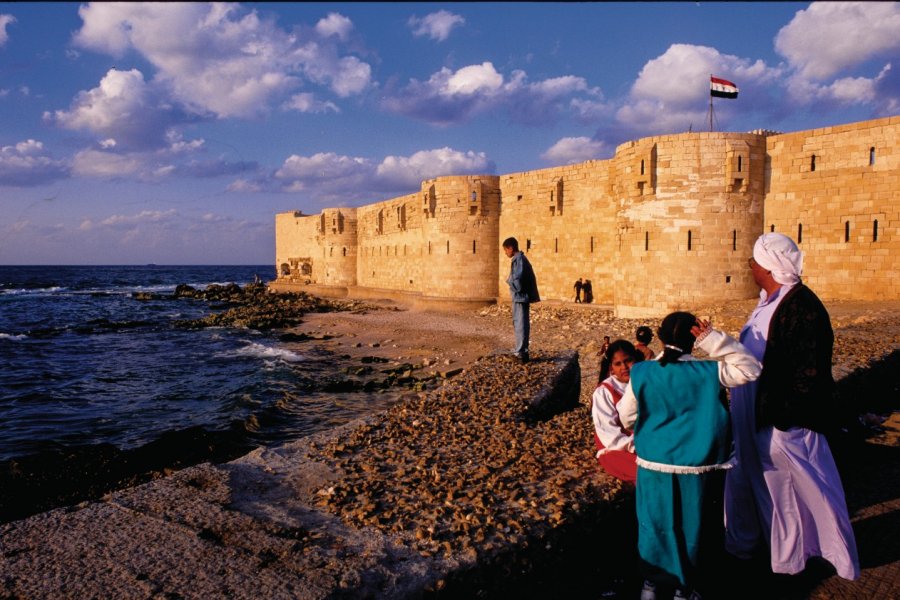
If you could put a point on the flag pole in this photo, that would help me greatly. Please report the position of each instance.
(710, 108)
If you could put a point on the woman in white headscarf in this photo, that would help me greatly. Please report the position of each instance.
(785, 491)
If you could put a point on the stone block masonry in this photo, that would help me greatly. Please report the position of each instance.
(666, 224)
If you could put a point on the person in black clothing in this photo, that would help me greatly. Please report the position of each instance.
(588, 290)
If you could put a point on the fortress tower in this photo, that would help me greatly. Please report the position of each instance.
(689, 208)
(668, 223)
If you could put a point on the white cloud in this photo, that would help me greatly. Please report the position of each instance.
(4, 21)
(27, 164)
(245, 185)
(845, 91)
(221, 59)
(123, 110)
(106, 165)
(473, 79)
(409, 172)
(141, 218)
(454, 96)
(671, 91)
(307, 103)
(437, 25)
(333, 177)
(335, 24)
(575, 149)
(830, 37)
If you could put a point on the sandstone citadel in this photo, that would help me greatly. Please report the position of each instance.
(667, 223)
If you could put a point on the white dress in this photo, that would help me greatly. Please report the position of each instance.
(785, 490)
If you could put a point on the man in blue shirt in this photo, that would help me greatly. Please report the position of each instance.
(523, 290)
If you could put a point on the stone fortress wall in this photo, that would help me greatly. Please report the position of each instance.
(667, 223)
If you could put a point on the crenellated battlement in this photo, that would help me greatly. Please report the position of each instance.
(668, 222)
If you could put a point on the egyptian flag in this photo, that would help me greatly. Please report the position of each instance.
(722, 88)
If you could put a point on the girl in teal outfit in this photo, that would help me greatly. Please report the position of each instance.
(682, 440)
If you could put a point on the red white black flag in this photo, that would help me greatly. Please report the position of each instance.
(722, 88)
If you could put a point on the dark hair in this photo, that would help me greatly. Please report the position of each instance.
(617, 346)
(511, 242)
(643, 334)
(675, 330)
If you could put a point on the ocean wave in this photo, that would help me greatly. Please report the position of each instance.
(261, 351)
(33, 291)
(9, 336)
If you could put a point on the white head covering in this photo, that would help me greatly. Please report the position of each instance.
(779, 254)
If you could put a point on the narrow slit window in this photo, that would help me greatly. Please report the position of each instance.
(772, 227)
(812, 163)
(690, 238)
(592, 243)
(556, 244)
(734, 239)
(527, 245)
(846, 231)
(799, 233)
(448, 246)
(473, 246)
(429, 247)
(642, 167)
(871, 156)
(646, 241)
(344, 250)
(875, 230)
(740, 164)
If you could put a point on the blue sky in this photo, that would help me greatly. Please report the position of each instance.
(172, 133)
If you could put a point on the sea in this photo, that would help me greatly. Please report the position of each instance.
(83, 362)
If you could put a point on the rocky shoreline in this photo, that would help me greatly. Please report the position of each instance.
(470, 494)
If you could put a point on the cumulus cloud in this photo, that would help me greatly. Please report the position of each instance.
(106, 165)
(335, 24)
(307, 103)
(845, 91)
(28, 164)
(4, 21)
(454, 96)
(671, 91)
(575, 149)
(220, 59)
(830, 37)
(179, 159)
(123, 110)
(333, 177)
(437, 25)
(410, 171)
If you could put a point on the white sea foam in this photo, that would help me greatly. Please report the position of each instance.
(34, 291)
(9, 336)
(267, 352)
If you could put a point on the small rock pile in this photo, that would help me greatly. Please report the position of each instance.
(468, 468)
